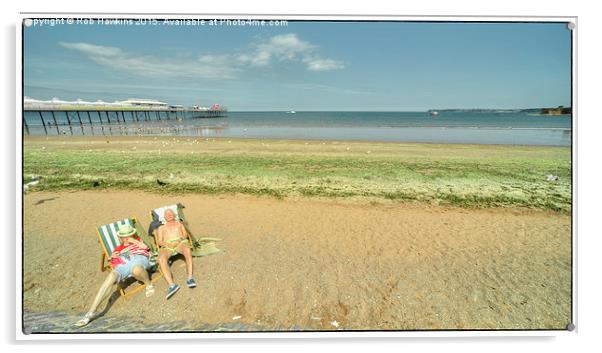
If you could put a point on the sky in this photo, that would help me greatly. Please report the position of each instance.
(304, 65)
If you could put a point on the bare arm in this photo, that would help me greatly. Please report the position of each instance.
(183, 234)
(139, 243)
(160, 236)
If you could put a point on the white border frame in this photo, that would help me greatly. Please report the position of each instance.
(287, 334)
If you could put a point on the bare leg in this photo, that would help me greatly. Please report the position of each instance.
(140, 274)
(164, 256)
(103, 291)
(184, 250)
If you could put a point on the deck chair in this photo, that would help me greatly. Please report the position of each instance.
(203, 246)
(109, 240)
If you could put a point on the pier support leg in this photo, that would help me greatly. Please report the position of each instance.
(25, 124)
(119, 122)
(43, 122)
(109, 120)
(90, 120)
(69, 122)
(102, 125)
(81, 125)
(55, 124)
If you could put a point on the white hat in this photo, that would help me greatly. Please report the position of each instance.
(126, 230)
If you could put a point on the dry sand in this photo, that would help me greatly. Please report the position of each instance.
(316, 263)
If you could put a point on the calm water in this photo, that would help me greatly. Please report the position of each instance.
(447, 127)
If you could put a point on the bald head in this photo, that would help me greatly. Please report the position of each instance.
(169, 215)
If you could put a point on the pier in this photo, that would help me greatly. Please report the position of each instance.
(61, 118)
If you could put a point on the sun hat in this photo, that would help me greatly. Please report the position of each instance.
(126, 230)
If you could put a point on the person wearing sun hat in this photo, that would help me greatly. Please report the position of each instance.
(130, 259)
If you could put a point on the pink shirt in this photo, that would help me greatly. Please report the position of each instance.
(123, 250)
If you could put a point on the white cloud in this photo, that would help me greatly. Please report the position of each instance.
(207, 66)
(318, 64)
(95, 50)
(289, 48)
(284, 48)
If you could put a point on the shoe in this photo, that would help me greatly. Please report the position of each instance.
(150, 290)
(172, 290)
(191, 283)
(85, 320)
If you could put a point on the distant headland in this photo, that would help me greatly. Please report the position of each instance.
(560, 110)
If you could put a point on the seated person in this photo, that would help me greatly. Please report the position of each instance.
(130, 259)
(172, 239)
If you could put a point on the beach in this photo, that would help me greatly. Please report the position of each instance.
(315, 265)
(318, 235)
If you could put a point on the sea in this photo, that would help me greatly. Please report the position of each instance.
(461, 127)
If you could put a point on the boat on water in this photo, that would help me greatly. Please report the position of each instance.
(291, 112)
(433, 112)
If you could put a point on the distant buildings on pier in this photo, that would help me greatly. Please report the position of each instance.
(129, 104)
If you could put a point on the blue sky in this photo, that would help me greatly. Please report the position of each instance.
(400, 66)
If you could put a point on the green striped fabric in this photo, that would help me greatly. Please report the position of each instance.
(108, 234)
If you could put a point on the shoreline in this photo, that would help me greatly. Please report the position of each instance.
(306, 139)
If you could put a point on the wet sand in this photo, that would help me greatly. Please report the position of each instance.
(315, 264)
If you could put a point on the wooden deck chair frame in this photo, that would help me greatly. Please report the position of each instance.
(106, 254)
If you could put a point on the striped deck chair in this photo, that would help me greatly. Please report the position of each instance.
(200, 246)
(109, 240)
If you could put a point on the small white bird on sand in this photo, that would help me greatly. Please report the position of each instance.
(27, 186)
